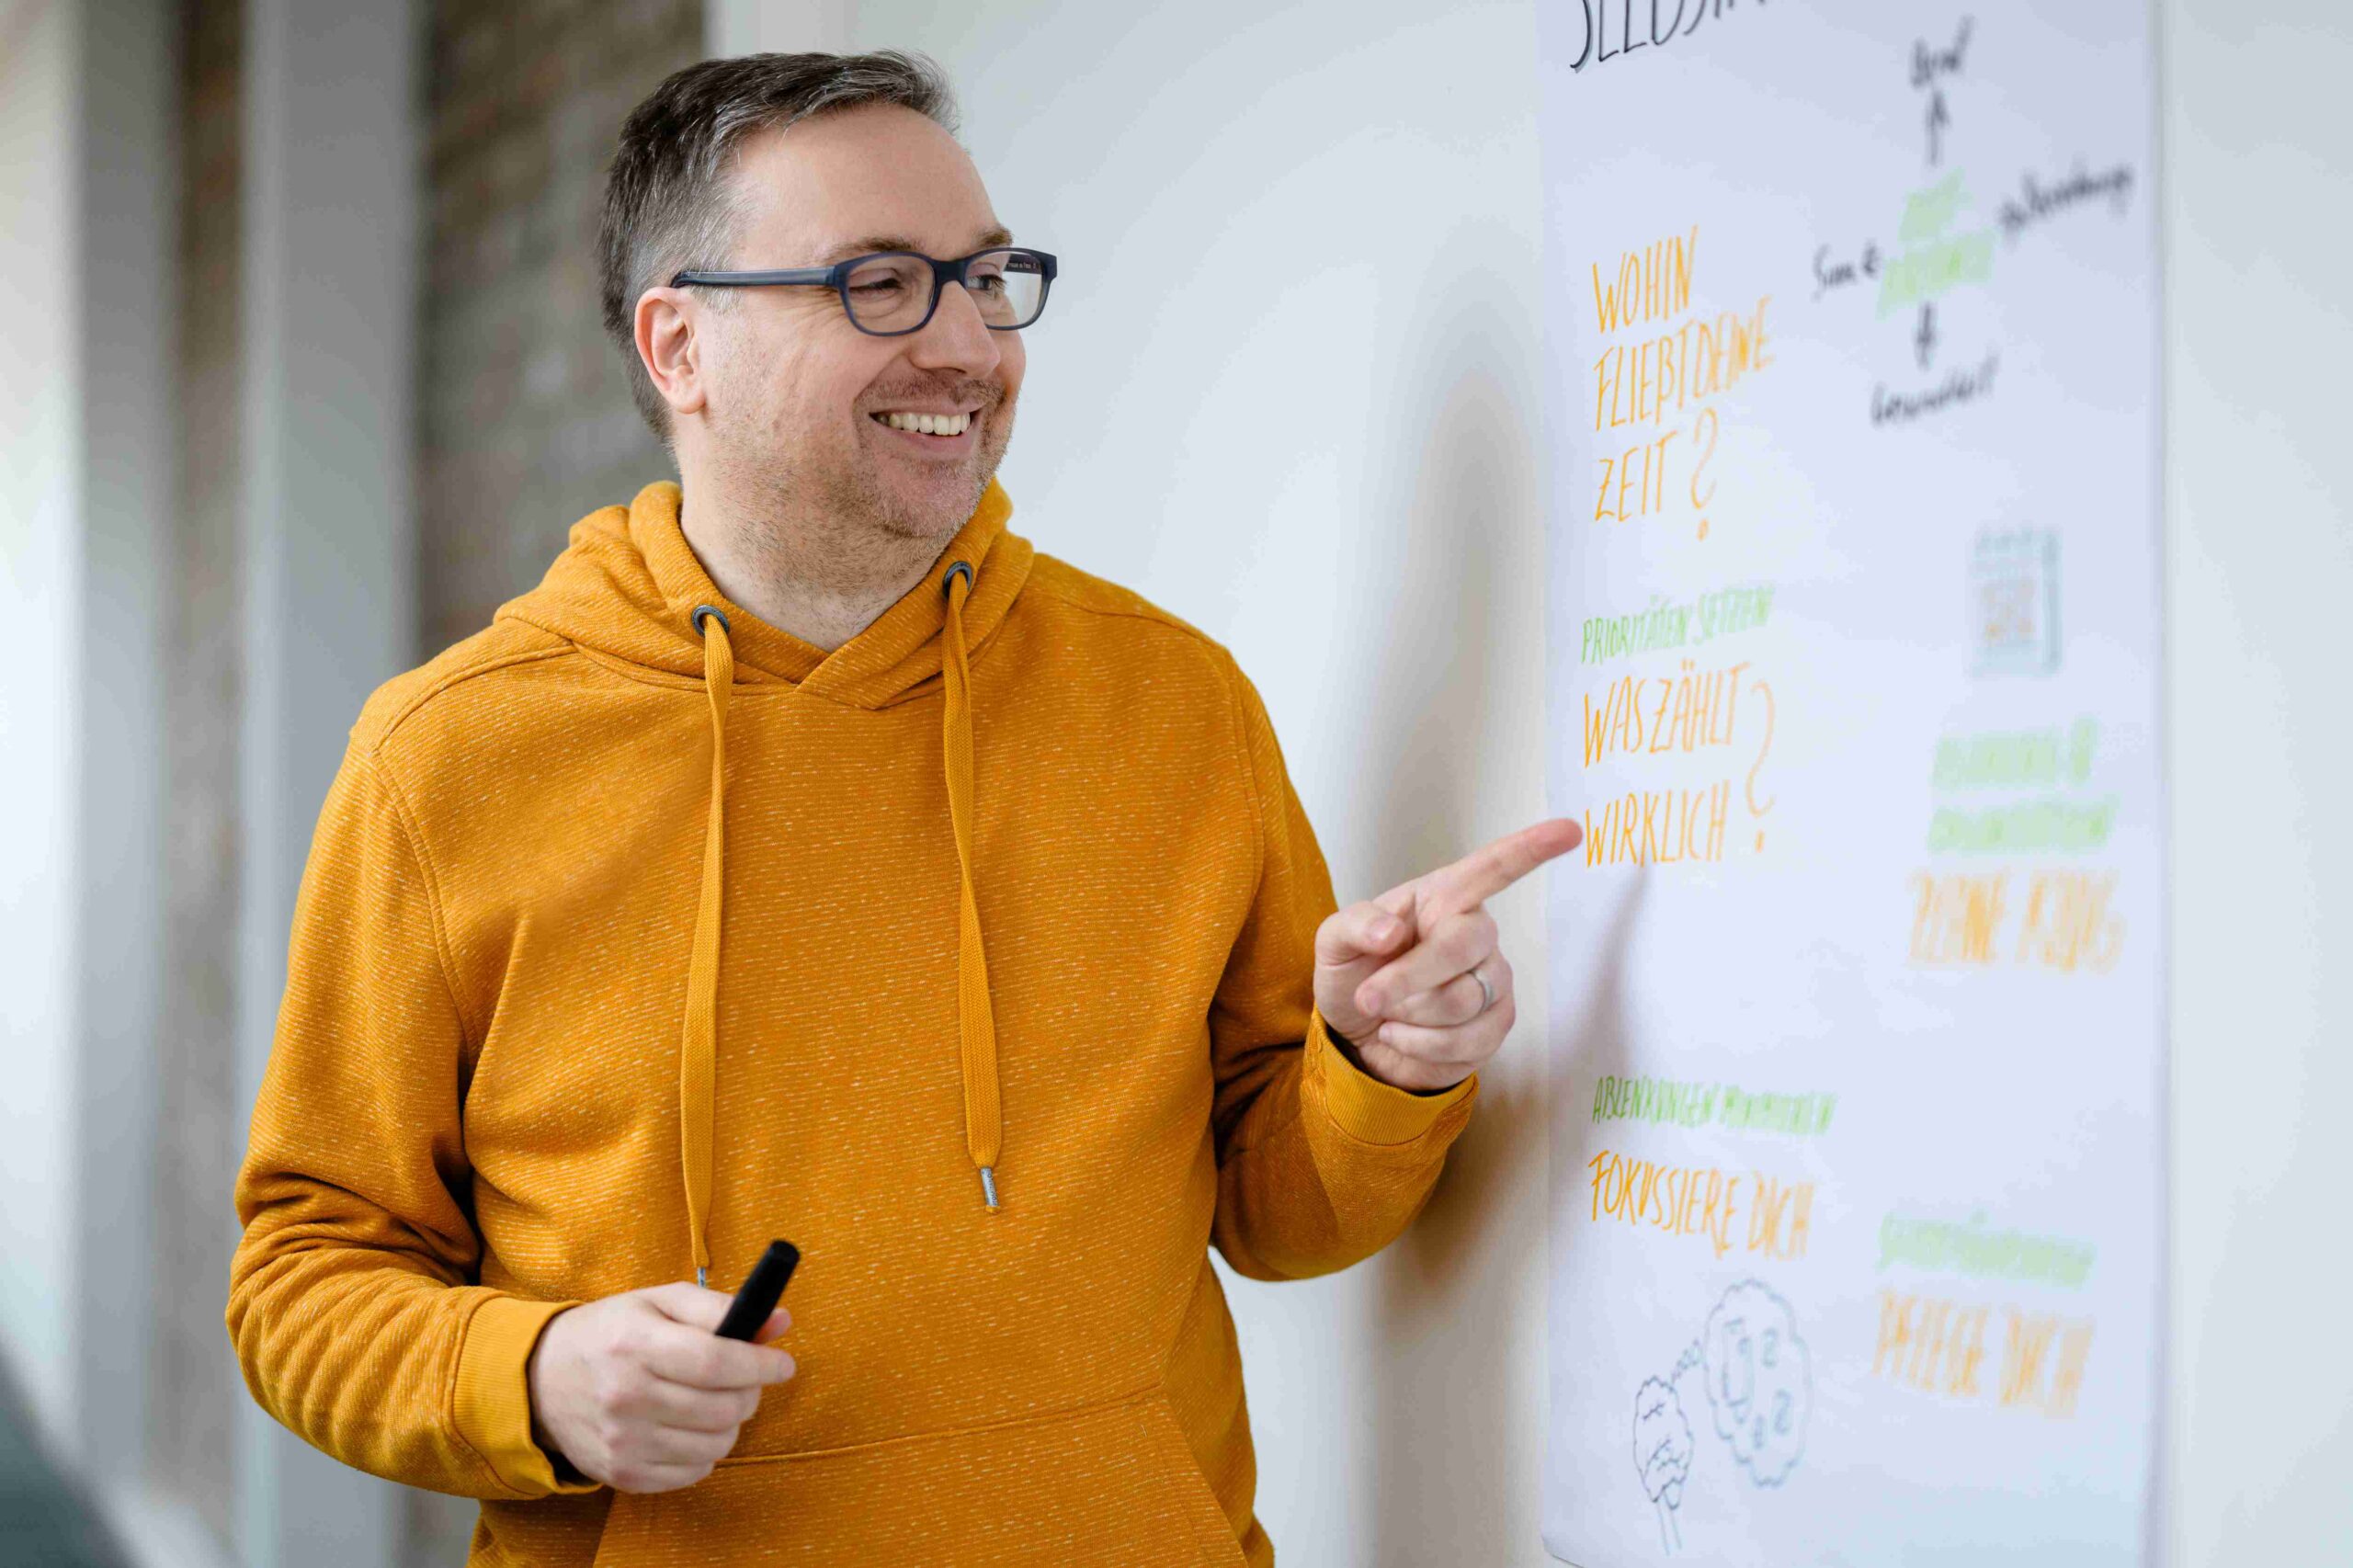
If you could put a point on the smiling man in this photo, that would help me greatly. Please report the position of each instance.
(807, 856)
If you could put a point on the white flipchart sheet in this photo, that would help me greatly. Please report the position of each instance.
(1857, 1233)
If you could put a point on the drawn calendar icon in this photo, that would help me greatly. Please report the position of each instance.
(2014, 601)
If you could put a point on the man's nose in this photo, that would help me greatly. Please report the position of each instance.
(956, 336)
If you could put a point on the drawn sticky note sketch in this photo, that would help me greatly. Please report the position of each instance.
(2014, 585)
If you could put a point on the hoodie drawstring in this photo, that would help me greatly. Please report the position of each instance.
(699, 1047)
(976, 1022)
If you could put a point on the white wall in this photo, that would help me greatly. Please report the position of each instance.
(2258, 224)
(39, 585)
(1329, 462)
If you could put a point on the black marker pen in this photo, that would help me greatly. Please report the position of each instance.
(762, 1287)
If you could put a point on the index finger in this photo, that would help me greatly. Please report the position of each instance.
(1492, 867)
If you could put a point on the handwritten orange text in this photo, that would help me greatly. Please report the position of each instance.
(1641, 383)
(1933, 1345)
(2042, 1361)
(1659, 827)
(1955, 916)
(2064, 922)
(1696, 709)
(1930, 1345)
(2067, 924)
(1651, 284)
(1704, 1201)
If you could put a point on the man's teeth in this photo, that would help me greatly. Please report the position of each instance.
(927, 423)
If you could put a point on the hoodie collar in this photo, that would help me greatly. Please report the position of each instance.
(628, 583)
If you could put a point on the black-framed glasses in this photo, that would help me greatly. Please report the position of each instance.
(890, 293)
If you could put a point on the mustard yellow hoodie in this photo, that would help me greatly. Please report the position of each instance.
(973, 957)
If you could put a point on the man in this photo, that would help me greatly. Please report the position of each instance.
(808, 857)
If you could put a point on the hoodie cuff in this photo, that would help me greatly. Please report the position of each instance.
(494, 1395)
(1366, 1108)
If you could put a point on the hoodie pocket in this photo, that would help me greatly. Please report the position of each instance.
(1109, 1483)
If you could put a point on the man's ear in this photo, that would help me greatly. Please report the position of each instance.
(668, 344)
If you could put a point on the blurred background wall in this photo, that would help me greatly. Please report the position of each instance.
(525, 422)
(305, 300)
(297, 307)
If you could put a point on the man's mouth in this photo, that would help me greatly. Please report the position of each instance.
(940, 426)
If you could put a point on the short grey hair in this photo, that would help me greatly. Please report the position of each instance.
(668, 202)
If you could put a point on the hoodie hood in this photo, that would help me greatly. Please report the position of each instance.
(628, 583)
(629, 588)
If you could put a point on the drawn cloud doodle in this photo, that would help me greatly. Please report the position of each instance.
(1759, 1380)
(1761, 1393)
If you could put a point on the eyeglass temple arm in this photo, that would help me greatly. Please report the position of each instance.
(753, 280)
(826, 274)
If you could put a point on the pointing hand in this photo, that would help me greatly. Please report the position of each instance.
(1397, 976)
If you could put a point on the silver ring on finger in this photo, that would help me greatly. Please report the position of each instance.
(1485, 990)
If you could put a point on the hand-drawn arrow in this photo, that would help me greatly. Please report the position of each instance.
(1924, 342)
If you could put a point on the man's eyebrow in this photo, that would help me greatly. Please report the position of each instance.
(999, 235)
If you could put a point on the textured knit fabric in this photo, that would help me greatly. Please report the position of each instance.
(1079, 955)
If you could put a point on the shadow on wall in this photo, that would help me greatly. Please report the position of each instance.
(1440, 1301)
(1466, 454)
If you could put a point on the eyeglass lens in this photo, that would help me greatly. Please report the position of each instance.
(890, 293)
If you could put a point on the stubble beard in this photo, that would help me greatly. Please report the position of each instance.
(842, 507)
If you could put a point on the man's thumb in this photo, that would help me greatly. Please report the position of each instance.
(689, 1304)
(1361, 930)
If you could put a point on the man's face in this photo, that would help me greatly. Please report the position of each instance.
(794, 388)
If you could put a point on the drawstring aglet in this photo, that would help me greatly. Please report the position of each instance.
(702, 1277)
(988, 1186)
